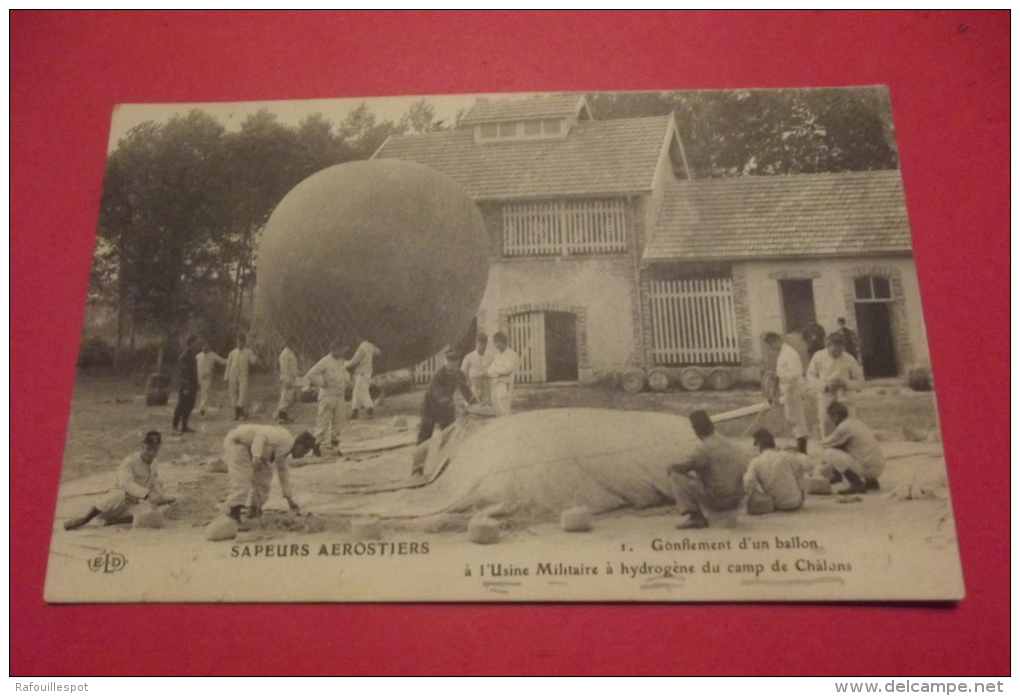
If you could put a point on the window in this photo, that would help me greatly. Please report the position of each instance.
(565, 227)
(874, 288)
(532, 128)
(521, 130)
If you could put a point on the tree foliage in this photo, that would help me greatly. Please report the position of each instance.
(184, 202)
(751, 132)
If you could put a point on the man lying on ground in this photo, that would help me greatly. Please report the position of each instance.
(137, 486)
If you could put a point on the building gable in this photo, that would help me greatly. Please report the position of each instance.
(550, 106)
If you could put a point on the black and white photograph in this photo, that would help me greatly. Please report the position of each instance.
(569, 347)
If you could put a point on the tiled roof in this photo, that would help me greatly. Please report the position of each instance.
(597, 158)
(840, 214)
(550, 106)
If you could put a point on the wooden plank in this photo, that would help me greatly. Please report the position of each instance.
(538, 368)
(714, 319)
(694, 321)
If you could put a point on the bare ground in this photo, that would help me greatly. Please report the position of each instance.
(899, 534)
(109, 417)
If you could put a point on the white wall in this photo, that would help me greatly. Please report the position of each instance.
(765, 301)
(604, 287)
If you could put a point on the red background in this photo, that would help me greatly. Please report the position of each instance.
(949, 79)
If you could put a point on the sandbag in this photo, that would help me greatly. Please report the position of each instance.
(576, 519)
(818, 485)
(483, 530)
(147, 517)
(760, 504)
(222, 528)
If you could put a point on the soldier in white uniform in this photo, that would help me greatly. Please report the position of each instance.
(502, 372)
(236, 376)
(136, 482)
(330, 376)
(207, 360)
(252, 452)
(475, 366)
(832, 375)
(289, 377)
(361, 363)
(790, 372)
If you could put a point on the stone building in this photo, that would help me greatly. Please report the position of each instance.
(606, 255)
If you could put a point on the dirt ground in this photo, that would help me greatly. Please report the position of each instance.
(109, 416)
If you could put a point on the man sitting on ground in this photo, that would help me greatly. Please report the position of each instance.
(779, 476)
(712, 478)
(853, 452)
(136, 483)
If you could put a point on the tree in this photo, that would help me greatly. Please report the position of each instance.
(420, 118)
(790, 131)
(359, 134)
(160, 215)
(183, 205)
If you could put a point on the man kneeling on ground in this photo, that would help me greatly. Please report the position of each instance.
(853, 452)
(137, 485)
(711, 478)
(773, 477)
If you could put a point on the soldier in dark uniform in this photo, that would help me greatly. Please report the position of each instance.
(187, 386)
(814, 336)
(853, 343)
(438, 407)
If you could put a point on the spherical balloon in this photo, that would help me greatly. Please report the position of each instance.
(384, 250)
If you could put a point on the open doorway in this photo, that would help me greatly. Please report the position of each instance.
(874, 326)
(547, 345)
(560, 347)
(798, 303)
(873, 310)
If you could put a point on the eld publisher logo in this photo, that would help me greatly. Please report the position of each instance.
(107, 562)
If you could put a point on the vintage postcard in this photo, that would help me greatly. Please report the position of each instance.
(619, 346)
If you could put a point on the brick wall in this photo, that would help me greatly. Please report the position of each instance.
(742, 308)
(902, 344)
(599, 289)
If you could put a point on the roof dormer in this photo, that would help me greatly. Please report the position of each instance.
(533, 118)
